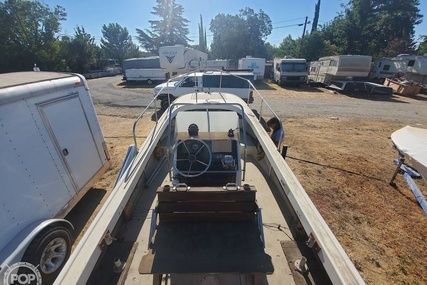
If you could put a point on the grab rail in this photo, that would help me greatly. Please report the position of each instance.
(250, 85)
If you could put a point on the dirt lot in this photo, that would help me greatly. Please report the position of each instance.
(345, 165)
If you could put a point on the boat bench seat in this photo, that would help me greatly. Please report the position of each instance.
(207, 204)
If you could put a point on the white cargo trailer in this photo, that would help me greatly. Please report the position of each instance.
(148, 75)
(51, 151)
(256, 64)
(179, 59)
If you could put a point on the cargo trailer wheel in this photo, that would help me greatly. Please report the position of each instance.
(49, 251)
(149, 81)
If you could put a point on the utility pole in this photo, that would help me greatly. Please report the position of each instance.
(302, 38)
(305, 25)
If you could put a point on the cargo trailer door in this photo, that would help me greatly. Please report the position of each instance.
(69, 129)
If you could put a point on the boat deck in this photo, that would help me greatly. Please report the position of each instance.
(231, 251)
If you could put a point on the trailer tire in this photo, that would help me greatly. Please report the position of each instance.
(49, 250)
(149, 81)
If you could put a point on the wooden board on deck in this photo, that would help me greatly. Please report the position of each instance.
(200, 247)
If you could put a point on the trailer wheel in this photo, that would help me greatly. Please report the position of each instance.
(49, 251)
(149, 81)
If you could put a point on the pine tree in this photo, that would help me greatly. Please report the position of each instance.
(171, 29)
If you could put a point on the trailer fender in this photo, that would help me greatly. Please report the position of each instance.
(15, 250)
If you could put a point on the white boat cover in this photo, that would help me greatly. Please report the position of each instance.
(412, 142)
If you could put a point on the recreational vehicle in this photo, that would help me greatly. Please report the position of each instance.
(387, 67)
(148, 75)
(290, 71)
(417, 69)
(142, 63)
(411, 67)
(179, 59)
(256, 64)
(339, 68)
(143, 69)
(52, 151)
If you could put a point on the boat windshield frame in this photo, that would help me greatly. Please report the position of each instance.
(208, 106)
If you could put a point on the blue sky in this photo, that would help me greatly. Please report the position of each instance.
(286, 15)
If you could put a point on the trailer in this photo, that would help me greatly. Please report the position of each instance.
(339, 68)
(417, 69)
(256, 64)
(290, 70)
(143, 69)
(148, 75)
(52, 150)
(141, 62)
(387, 67)
(179, 59)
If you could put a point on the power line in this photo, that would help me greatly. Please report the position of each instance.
(289, 20)
(300, 25)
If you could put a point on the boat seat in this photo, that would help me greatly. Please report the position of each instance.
(193, 204)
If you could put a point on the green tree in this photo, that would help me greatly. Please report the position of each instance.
(316, 17)
(315, 46)
(203, 46)
(240, 35)
(422, 48)
(359, 26)
(116, 42)
(80, 51)
(374, 27)
(288, 47)
(27, 35)
(171, 29)
(395, 22)
(227, 37)
(270, 51)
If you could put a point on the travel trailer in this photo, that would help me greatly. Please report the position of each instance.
(143, 69)
(179, 59)
(411, 67)
(52, 151)
(417, 69)
(149, 75)
(209, 81)
(290, 71)
(142, 63)
(339, 68)
(208, 199)
(256, 64)
(387, 67)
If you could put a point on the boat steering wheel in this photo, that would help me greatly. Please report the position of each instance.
(192, 157)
